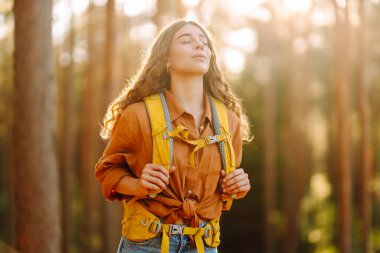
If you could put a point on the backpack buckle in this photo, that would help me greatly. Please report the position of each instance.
(211, 139)
(176, 229)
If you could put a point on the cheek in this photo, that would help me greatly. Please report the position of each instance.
(208, 52)
(179, 54)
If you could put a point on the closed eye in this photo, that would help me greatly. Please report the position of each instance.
(190, 36)
(185, 42)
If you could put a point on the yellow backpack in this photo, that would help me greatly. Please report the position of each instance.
(138, 224)
(163, 134)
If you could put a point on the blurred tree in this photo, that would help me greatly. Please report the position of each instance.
(270, 149)
(288, 146)
(110, 55)
(6, 90)
(158, 18)
(90, 144)
(34, 162)
(286, 80)
(341, 84)
(366, 166)
(66, 130)
(181, 9)
(112, 211)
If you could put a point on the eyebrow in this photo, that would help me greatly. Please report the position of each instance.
(189, 34)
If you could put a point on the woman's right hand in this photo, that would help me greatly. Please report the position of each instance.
(153, 178)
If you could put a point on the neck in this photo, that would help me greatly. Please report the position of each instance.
(189, 91)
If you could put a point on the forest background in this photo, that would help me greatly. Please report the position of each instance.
(308, 73)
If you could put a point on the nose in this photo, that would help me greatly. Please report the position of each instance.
(199, 44)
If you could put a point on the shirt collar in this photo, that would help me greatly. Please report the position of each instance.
(176, 109)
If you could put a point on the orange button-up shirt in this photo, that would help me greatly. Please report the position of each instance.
(192, 193)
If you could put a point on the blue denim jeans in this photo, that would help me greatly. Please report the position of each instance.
(177, 243)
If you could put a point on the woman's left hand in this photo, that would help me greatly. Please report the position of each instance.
(236, 182)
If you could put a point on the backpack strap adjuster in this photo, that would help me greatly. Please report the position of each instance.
(211, 139)
(208, 232)
(155, 227)
(176, 229)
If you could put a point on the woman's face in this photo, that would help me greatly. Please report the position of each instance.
(189, 52)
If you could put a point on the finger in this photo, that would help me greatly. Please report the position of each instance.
(222, 173)
(240, 195)
(234, 180)
(158, 167)
(160, 175)
(161, 168)
(243, 188)
(233, 174)
(235, 186)
(225, 196)
(154, 180)
(149, 186)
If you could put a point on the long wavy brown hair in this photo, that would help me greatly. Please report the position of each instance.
(152, 77)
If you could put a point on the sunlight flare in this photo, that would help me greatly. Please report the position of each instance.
(297, 6)
(134, 8)
(79, 7)
(233, 59)
(244, 39)
(320, 186)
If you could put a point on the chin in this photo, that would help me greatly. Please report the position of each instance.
(195, 71)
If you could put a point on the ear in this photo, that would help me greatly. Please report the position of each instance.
(168, 67)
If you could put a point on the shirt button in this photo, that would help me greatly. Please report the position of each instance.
(188, 194)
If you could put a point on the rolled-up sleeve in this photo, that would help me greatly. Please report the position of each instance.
(113, 165)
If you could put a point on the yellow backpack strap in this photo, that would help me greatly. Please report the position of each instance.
(160, 124)
(220, 123)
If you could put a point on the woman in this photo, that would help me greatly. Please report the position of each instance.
(181, 65)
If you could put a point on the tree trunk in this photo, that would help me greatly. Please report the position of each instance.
(67, 136)
(270, 176)
(270, 151)
(158, 18)
(110, 55)
(301, 98)
(112, 211)
(35, 172)
(90, 143)
(341, 85)
(365, 172)
(288, 145)
(181, 9)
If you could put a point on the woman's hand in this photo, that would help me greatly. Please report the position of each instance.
(153, 178)
(236, 182)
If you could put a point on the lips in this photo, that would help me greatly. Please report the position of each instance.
(199, 56)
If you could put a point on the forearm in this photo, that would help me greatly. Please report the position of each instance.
(129, 185)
